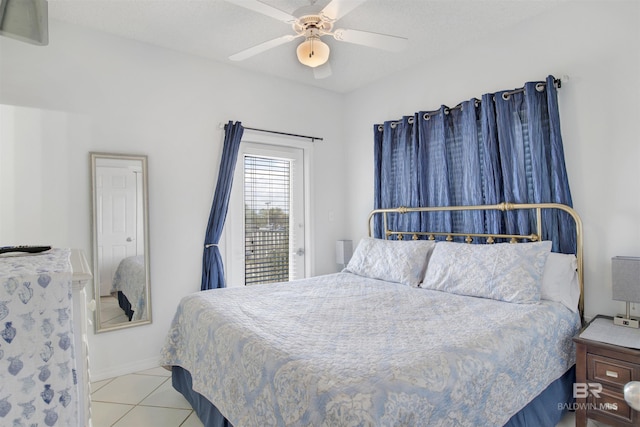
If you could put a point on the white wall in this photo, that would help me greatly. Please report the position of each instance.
(597, 44)
(88, 91)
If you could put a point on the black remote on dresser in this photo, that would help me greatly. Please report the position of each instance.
(24, 248)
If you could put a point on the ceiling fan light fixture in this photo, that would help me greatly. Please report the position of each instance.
(313, 52)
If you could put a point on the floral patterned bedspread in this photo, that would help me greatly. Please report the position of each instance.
(344, 350)
(37, 363)
(130, 279)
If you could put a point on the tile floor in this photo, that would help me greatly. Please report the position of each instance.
(147, 399)
(569, 420)
(110, 312)
(142, 399)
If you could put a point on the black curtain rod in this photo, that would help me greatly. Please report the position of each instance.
(312, 138)
(505, 96)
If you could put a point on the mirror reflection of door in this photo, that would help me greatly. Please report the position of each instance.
(121, 264)
(117, 222)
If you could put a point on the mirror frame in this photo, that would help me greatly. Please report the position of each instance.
(94, 157)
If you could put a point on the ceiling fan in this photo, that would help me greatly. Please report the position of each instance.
(313, 52)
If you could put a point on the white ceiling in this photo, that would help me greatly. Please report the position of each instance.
(216, 29)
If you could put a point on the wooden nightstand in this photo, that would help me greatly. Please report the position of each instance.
(602, 370)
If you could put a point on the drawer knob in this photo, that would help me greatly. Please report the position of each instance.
(632, 394)
(612, 374)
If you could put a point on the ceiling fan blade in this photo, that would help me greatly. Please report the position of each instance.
(322, 72)
(336, 9)
(265, 9)
(365, 38)
(247, 53)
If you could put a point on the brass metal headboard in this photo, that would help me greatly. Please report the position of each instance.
(490, 238)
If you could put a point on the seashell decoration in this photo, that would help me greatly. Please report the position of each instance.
(45, 373)
(65, 342)
(28, 409)
(25, 293)
(46, 328)
(5, 406)
(4, 310)
(28, 322)
(15, 365)
(44, 280)
(11, 285)
(63, 316)
(65, 398)
(9, 332)
(47, 394)
(51, 417)
(46, 352)
(27, 383)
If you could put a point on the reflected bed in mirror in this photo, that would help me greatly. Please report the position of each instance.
(120, 240)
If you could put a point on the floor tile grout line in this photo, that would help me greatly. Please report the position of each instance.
(107, 381)
(123, 415)
(152, 391)
(162, 406)
(134, 404)
(185, 420)
(189, 411)
(152, 375)
(157, 406)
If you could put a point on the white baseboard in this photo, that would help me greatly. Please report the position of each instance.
(124, 369)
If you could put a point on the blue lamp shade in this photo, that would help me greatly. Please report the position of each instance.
(626, 278)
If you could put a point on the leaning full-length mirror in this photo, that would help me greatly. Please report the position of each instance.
(120, 241)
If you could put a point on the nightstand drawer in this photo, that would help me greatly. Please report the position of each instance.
(602, 371)
(609, 371)
(612, 405)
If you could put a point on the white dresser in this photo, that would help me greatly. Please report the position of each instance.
(80, 278)
(43, 353)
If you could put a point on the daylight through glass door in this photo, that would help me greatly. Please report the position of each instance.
(267, 201)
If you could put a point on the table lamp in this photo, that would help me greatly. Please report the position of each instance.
(632, 394)
(344, 250)
(25, 20)
(625, 272)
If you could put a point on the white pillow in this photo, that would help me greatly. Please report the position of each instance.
(560, 280)
(502, 271)
(400, 261)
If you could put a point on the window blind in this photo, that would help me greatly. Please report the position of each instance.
(267, 199)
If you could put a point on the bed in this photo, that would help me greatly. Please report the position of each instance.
(398, 338)
(129, 287)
